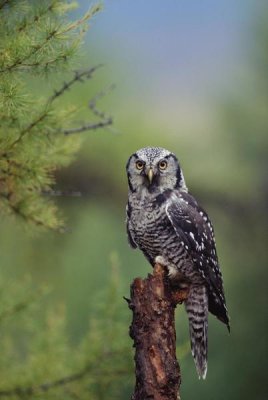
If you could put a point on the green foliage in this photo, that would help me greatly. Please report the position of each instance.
(38, 359)
(36, 40)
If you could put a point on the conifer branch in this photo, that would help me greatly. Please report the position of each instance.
(34, 49)
(28, 217)
(36, 40)
(78, 77)
(21, 391)
(42, 64)
(54, 33)
(93, 10)
(44, 387)
(26, 130)
(42, 12)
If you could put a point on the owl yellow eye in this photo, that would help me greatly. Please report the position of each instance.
(162, 165)
(139, 165)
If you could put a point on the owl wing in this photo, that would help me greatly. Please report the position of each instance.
(193, 227)
(130, 233)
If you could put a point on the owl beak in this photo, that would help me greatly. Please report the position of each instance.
(150, 175)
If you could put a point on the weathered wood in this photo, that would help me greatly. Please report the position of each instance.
(153, 302)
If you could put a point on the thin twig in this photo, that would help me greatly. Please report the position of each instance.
(78, 77)
(105, 119)
(93, 102)
(61, 193)
(88, 127)
(93, 10)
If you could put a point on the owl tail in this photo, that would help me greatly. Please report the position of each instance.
(197, 309)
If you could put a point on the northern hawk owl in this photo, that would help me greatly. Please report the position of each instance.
(170, 227)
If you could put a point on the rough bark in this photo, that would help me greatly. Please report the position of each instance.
(153, 302)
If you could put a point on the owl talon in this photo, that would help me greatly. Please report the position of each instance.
(161, 260)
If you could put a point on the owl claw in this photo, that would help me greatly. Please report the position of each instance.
(172, 270)
(161, 260)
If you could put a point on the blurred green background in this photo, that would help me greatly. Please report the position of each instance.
(191, 77)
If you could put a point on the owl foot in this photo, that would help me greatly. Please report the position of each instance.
(171, 269)
(161, 260)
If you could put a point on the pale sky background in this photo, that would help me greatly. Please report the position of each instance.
(173, 55)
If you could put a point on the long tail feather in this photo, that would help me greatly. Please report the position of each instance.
(197, 309)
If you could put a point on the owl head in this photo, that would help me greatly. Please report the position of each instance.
(154, 169)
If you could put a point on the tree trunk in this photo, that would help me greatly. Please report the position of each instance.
(153, 302)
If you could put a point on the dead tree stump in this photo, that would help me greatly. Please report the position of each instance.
(153, 302)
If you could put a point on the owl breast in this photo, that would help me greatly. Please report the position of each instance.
(153, 231)
(150, 226)
(155, 236)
